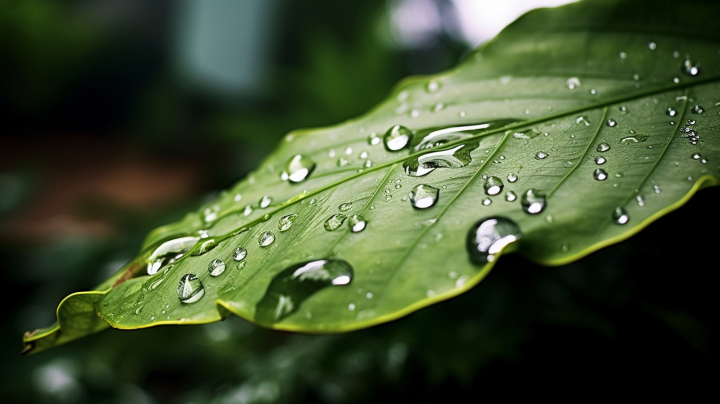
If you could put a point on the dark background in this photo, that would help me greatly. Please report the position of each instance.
(113, 123)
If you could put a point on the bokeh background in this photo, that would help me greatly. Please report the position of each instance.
(118, 116)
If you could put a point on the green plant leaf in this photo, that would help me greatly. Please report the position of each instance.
(576, 126)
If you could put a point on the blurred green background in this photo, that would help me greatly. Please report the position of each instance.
(120, 116)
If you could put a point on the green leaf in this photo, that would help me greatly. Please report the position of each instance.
(631, 88)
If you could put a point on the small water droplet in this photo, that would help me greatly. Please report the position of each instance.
(299, 168)
(266, 238)
(334, 222)
(265, 201)
(357, 223)
(368, 295)
(671, 112)
(397, 138)
(540, 155)
(512, 177)
(216, 267)
(348, 150)
(373, 139)
(697, 109)
(696, 156)
(600, 160)
(656, 189)
(248, 210)
(438, 107)
(623, 55)
(572, 82)
(487, 201)
(351, 306)
(423, 196)
(364, 155)
(190, 289)
(342, 162)
(489, 237)
(169, 252)
(676, 80)
(583, 120)
(211, 213)
(593, 91)
(611, 122)
(533, 201)
(432, 86)
(652, 45)
(623, 109)
(510, 196)
(620, 216)
(286, 222)
(345, 207)
(690, 68)
(527, 134)
(493, 186)
(239, 254)
(600, 174)
(640, 200)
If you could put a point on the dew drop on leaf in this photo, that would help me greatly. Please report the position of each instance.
(671, 112)
(510, 196)
(345, 207)
(620, 216)
(423, 196)
(533, 201)
(512, 177)
(489, 236)
(690, 67)
(493, 186)
(265, 201)
(168, 252)
(334, 222)
(572, 82)
(216, 267)
(697, 109)
(600, 160)
(299, 168)
(266, 238)
(239, 254)
(190, 289)
(286, 222)
(611, 123)
(600, 174)
(357, 223)
(540, 155)
(397, 138)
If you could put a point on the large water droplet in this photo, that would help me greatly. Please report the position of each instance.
(266, 238)
(168, 252)
(456, 157)
(357, 223)
(533, 201)
(239, 254)
(620, 216)
(292, 286)
(299, 168)
(438, 136)
(493, 185)
(190, 289)
(397, 138)
(600, 174)
(335, 221)
(489, 236)
(690, 68)
(216, 267)
(424, 196)
(603, 147)
(286, 222)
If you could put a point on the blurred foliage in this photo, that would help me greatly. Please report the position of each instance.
(637, 315)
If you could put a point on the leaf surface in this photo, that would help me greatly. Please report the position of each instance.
(607, 110)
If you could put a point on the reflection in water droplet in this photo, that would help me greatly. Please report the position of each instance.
(239, 254)
(423, 196)
(345, 207)
(292, 286)
(600, 160)
(603, 147)
(265, 201)
(211, 213)
(671, 112)
(540, 155)
(216, 267)
(286, 222)
(493, 186)
(600, 174)
(652, 45)
(190, 289)
(512, 177)
(373, 139)
(487, 201)
(456, 157)
(620, 216)
(533, 201)
(397, 138)
(611, 123)
(572, 82)
(690, 68)
(510, 196)
(342, 162)
(168, 252)
(640, 200)
(334, 222)
(248, 210)
(438, 107)
(299, 168)
(697, 109)
(489, 237)
(266, 238)
(634, 139)
(357, 223)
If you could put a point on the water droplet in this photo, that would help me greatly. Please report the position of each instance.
(691, 122)
(489, 237)
(640, 200)
(345, 207)
(190, 289)
(611, 123)
(593, 91)
(351, 306)
(671, 112)
(540, 155)
(623, 55)
(342, 162)
(510, 196)
(438, 136)
(696, 156)
(432, 86)
(292, 286)
(487, 201)
(266, 238)
(248, 210)
(265, 201)
(456, 157)
(600, 160)
(636, 77)
(363, 155)
(676, 80)
(652, 45)
(211, 213)
(438, 107)
(239, 254)
(334, 222)
(600, 174)
(368, 295)
(620, 216)
(348, 150)
(512, 177)
(216, 267)
(373, 139)
(168, 252)
(690, 68)
(424, 196)
(286, 222)
(697, 109)
(583, 120)
(572, 82)
(533, 201)
(623, 109)
(299, 168)
(397, 138)
(634, 139)
(656, 189)
(527, 134)
(357, 223)
(331, 153)
(493, 186)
